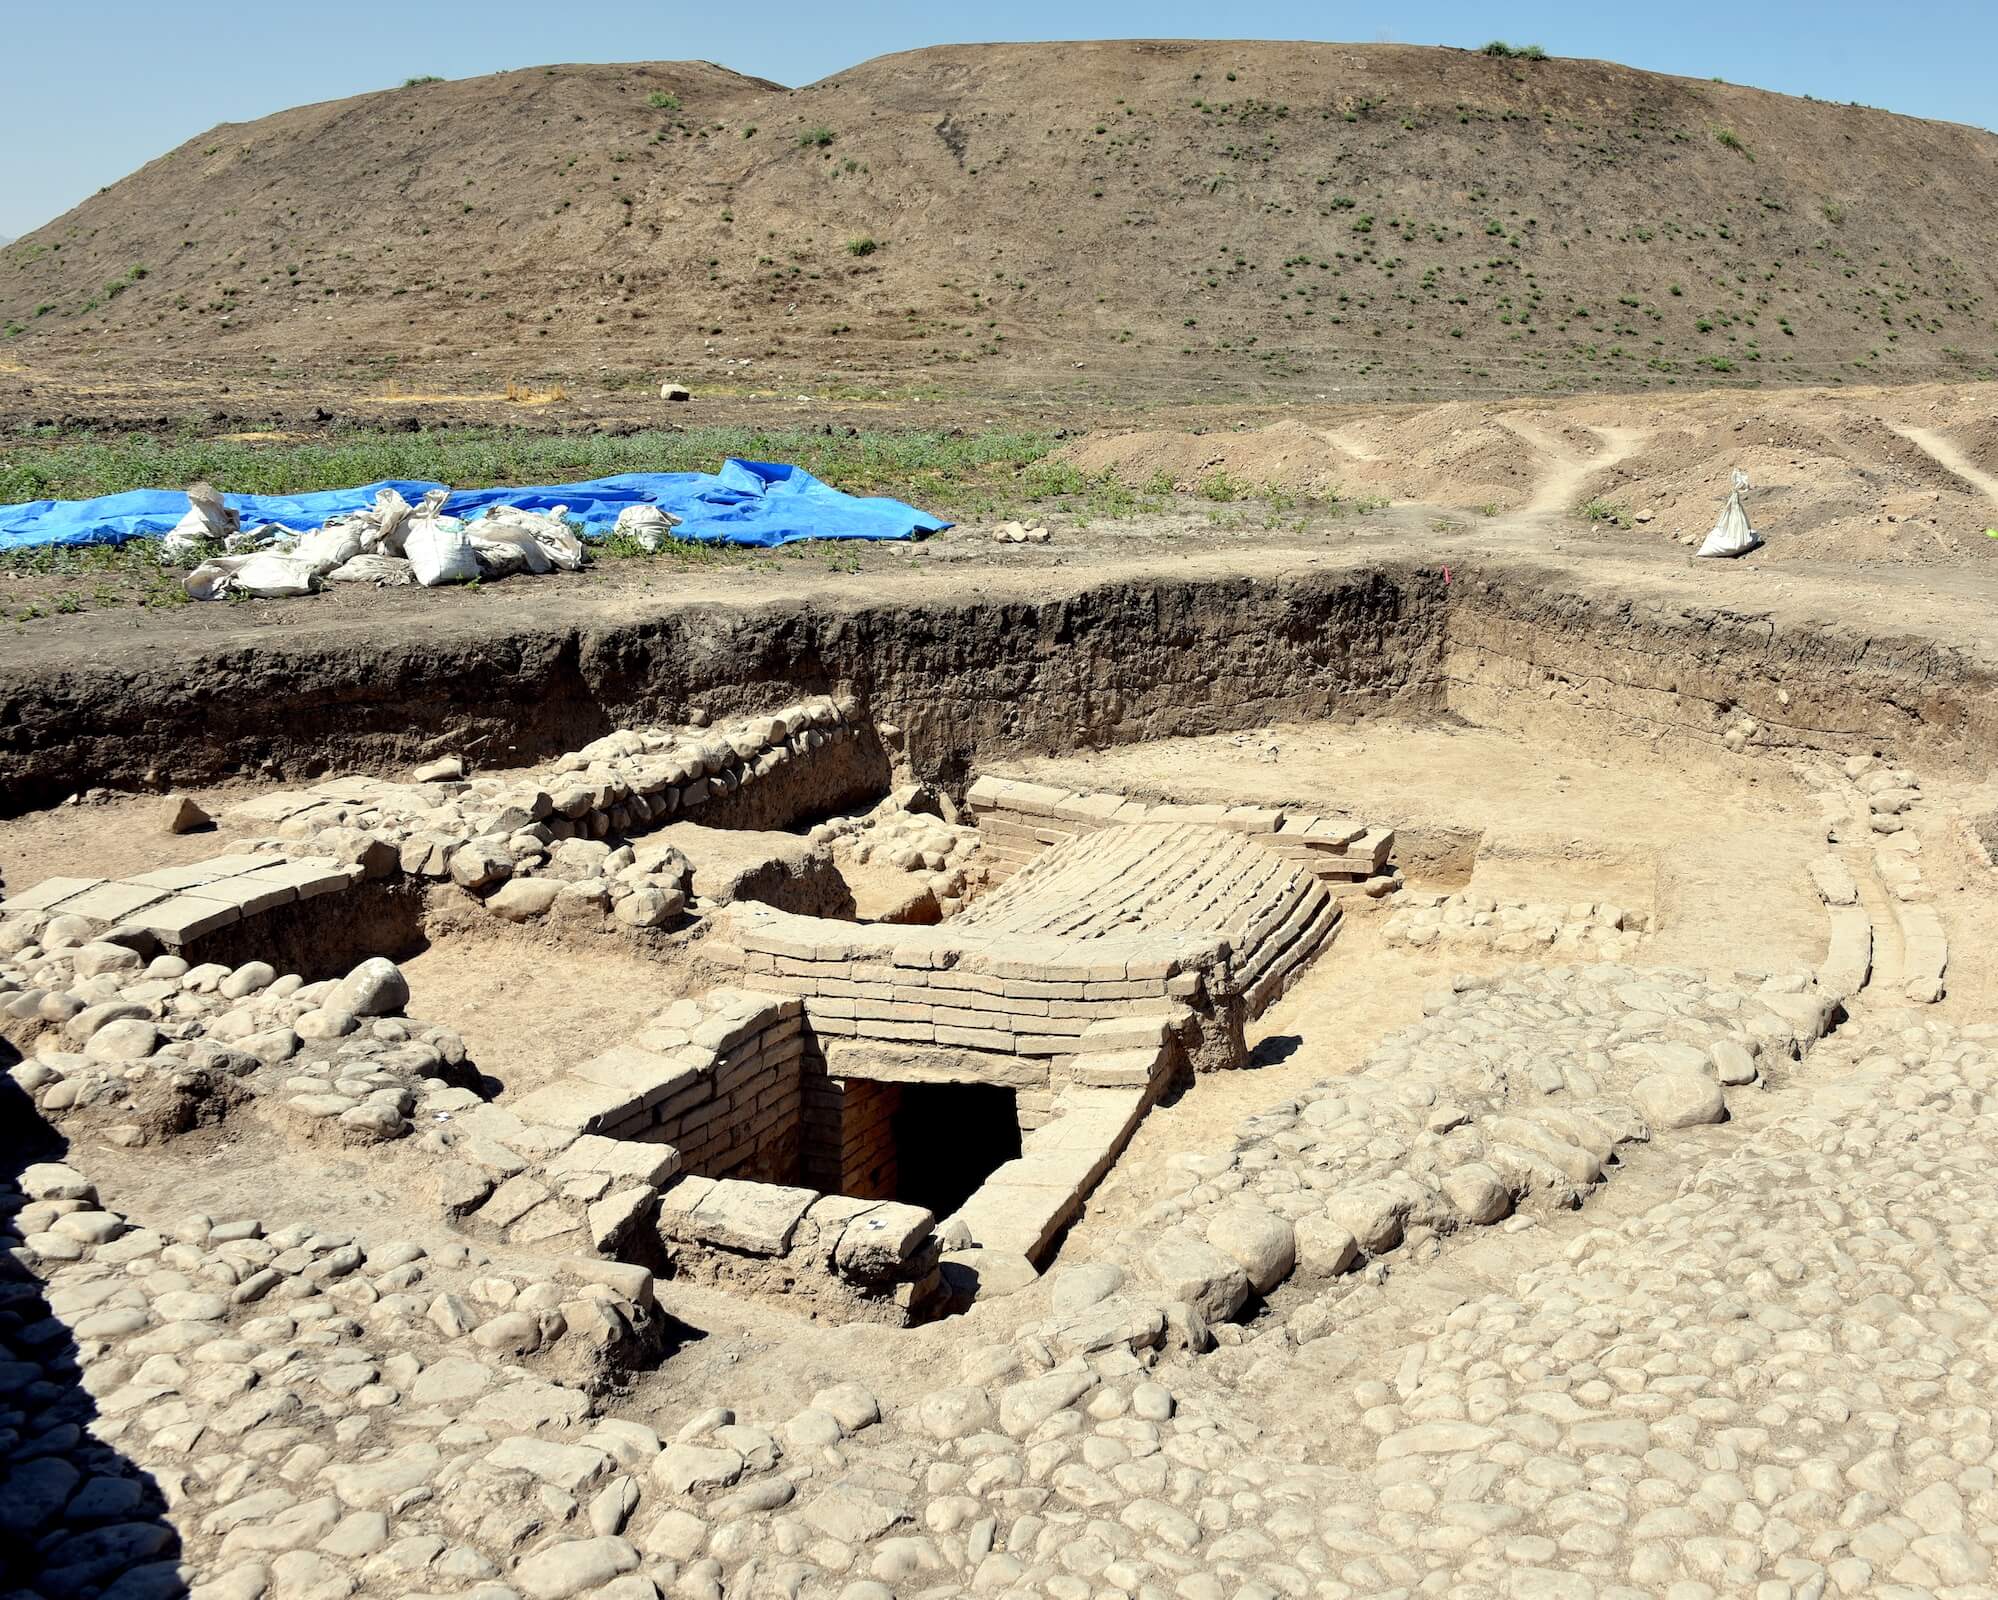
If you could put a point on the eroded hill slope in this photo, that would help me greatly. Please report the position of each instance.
(1185, 219)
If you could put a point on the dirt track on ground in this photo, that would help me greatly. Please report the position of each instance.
(1905, 476)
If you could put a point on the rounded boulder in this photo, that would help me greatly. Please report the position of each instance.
(1685, 1099)
(376, 988)
(1260, 1242)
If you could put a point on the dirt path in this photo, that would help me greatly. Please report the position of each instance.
(1950, 458)
(1561, 487)
(1345, 439)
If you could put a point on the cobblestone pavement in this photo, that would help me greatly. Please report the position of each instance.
(1757, 1363)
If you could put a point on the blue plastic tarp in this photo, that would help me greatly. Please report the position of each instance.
(747, 502)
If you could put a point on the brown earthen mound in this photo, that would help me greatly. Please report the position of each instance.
(1172, 219)
(1286, 455)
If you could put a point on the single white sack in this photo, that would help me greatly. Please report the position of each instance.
(504, 549)
(386, 571)
(559, 543)
(648, 527)
(206, 501)
(273, 577)
(439, 552)
(391, 511)
(184, 538)
(518, 517)
(331, 546)
(207, 519)
(213, 579)
(1732, 536)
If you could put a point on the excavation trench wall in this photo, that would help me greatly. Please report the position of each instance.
(1524, 653)
(1118, 662)
(1112, 663)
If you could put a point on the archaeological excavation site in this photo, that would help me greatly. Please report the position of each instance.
(1340, 1083)
(1001, 828)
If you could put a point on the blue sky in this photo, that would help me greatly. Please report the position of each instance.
(96, 90)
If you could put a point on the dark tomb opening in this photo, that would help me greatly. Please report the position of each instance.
(948, 1139)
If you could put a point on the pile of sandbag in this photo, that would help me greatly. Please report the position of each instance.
(391, 543)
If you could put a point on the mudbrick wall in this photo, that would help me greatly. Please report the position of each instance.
(849, 1127)
(1116, 662)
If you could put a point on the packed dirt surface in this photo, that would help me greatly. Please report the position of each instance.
(1476, 811)
(1903, 475)
(1050, 222)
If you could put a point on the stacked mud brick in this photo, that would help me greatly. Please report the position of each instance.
(1022, 819)
(1156, 918)
(1270, 916)
(482, 832)
(717, 1078)
(849, 1133)
(710, 1103)
(946, 986)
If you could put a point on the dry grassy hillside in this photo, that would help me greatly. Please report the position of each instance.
(1189, 220)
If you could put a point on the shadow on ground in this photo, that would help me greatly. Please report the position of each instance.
(77, 1518)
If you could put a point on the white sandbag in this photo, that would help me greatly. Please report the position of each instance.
(213, 579)
(184, 539)
(384, 571)
(391, 511)
(498, 559)
(545, 536)
(331, 546)
(559, 543)
(207, 521)
(519, 517)
(1732, 536)
(501, 557)
(647, 526)
(439, 551)
(273, 577)
(505, 546)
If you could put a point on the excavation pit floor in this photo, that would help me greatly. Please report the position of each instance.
(1524, 1156)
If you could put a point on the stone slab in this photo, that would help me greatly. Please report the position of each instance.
(113, 902)
(47, 895)
(755, 1218)
(185, 917)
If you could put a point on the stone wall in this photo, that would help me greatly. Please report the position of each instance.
(742, 1119)
(852, 1258)
(717, 1078)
